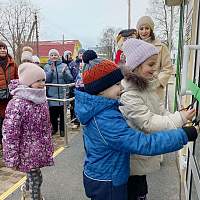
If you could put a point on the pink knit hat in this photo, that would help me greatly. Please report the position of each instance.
(137, 51)
(29, 73)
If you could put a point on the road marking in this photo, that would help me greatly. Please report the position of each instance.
(12, 189)
(19, 183)
(58, 151)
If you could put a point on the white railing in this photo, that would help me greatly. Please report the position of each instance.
(65, 100)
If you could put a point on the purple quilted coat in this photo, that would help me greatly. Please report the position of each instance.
(27, 140)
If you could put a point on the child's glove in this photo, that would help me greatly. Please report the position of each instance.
(188, 114)
(191, 132)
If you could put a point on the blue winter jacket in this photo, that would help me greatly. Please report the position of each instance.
(108, 140)
(58, 76)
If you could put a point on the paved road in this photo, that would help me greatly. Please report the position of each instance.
(64, 181)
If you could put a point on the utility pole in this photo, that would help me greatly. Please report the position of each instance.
(37, 35)
(63, 42)
(129, 14)
(31, 33)
(171, 29)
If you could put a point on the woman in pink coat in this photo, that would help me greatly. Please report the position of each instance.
(27, 144)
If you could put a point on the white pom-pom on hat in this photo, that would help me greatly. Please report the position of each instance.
(27, 53)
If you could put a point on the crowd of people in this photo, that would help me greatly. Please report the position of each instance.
(119, 105)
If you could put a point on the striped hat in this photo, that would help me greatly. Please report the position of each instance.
(100, 74)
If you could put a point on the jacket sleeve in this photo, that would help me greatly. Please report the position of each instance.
(11, 134)
(122, 138)
(166, 68)
(74, 70)
(67, 76)
(134, 109)
(49, 73)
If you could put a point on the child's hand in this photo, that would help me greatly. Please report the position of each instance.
(188, 114)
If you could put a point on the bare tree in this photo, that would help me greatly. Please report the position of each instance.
(17, 25)
(166, 21)
(108, 43)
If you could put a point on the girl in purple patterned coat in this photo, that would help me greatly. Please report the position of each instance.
(27, 144)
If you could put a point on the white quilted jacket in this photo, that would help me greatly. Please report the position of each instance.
(143, 111)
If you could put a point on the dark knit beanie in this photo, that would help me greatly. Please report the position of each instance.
(99, 75)
(89, 55)
(126, 33)
(2, 44)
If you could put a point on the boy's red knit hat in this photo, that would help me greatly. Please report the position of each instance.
(100, 74)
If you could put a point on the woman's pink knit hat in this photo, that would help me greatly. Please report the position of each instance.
(137, 51)
(30, 73)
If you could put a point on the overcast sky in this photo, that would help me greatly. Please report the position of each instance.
(85, 19)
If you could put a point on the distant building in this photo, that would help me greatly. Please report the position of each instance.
(60, 45)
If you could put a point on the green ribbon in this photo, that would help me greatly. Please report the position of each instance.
(194, 89)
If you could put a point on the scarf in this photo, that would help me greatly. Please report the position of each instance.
(3, 62)
(37, 96)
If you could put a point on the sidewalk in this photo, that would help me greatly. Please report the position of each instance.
(64, 181)
(165, 183)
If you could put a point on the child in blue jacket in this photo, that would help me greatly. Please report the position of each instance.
(108, 140)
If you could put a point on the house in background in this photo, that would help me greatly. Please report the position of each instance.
(60, 45)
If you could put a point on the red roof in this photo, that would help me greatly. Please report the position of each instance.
(45, 46)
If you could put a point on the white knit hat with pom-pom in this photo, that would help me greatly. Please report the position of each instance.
(36, 59)
(27, 53)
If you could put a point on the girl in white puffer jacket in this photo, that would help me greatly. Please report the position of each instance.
(142, 108)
